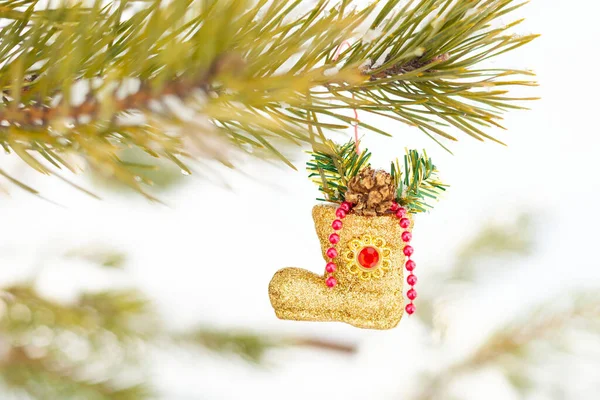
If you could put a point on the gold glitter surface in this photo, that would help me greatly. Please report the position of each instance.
(297, 294)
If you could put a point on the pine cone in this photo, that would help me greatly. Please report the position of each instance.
(371, 192)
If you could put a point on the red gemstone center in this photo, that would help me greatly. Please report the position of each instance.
(368, 257)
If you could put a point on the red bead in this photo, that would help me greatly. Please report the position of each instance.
(411, 294)
(410, 265)
(406, 236)
(337, 224)
(331, 281)
(330, 267)
(411, 280)
(405, 222)
(410, 308)
(401, 212)
(395, 206)
(408, 251)
(341, 214)
(334, 238)
(346, 206)
(332, 253)
(368, 257)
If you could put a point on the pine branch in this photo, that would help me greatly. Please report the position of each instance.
(507, 349)
(511, 342)
(250, 346)
(81, 349)
(514, 239)
(24, 374)
(253, 75)
(53, 365)
(545, 322)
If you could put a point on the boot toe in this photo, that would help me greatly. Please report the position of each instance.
(297, 294)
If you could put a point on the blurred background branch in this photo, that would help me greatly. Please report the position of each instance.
(513, 347)
(510, 348)
(96, 346)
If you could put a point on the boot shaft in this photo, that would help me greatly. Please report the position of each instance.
(370, 256)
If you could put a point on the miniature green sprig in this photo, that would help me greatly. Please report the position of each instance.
(332, 166)
(420, 184)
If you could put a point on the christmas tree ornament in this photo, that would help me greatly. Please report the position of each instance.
(365, 233)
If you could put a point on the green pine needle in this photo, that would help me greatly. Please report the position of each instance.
(253, 75)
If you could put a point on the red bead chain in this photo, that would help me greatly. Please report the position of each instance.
(334, 239)
(408, 252)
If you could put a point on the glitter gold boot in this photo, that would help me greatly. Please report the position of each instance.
(367, 295)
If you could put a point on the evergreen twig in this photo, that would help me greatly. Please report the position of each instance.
(252, 74)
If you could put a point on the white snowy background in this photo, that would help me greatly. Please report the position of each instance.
(207, 256)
